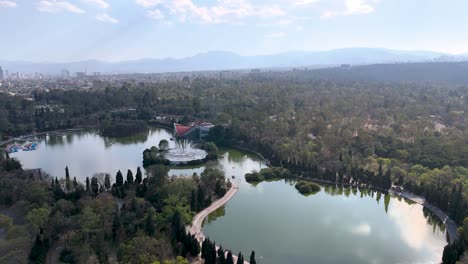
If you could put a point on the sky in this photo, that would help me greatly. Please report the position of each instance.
(115, 30)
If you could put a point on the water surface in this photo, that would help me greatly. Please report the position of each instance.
(336, 225)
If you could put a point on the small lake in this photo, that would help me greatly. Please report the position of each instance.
(336, 225)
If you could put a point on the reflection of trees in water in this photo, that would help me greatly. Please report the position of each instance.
(220, 212)
(69, 138)
(54, 140)
(135, 139)
(335, 190)
(236, 156)
(433, 220)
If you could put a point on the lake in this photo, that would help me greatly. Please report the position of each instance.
(336, 225)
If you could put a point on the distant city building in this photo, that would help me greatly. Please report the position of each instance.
(6, 74)
(80, 74)
(96, 74)
(1, 74)
(65, 73)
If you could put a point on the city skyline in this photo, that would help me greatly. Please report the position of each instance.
(76, 30)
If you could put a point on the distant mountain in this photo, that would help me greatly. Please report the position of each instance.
(220, 60)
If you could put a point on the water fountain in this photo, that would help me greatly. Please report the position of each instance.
(184, 151)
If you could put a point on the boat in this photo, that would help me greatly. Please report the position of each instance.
(29, 146)
(12, 148)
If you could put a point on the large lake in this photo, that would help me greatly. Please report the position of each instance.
(336, 225)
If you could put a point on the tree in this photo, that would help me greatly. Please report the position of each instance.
(38, 218)
(229, 258)
(119, 179)
(89, 222)
(158, 174)
(240, 258)
(149, 224)
(116, 225)
(252, 258)
(138, 176)
(107, 182)
(75, 184)
(67, 180)
(94, 185)
(221, 256)
(193, 201)
(163, 145)
(142, 249)
(130, 177)
(88, 187)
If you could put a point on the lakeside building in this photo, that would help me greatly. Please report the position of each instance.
(194, 131)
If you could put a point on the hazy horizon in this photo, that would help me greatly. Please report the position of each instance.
(238, 54)
(77, 30)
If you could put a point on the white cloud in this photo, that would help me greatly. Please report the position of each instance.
(155, 14)
(275, 35)
(362, 230)
(7, 4)
(223, 11)
(353, 7)
(107, 19)
(54, 6)
(148, 3)
(99, 3)
(305, 2)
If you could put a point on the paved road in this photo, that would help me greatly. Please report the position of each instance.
(196, 227)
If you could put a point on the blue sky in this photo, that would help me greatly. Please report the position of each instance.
(70, 30)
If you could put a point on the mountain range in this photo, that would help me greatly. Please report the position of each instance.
(221, 60)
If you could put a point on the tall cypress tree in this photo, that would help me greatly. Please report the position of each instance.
(67, 180)
(88, 188)
(75, 184)
(107, 182)
(94, 185)
(119, 179)
(193, 202)
(229, 258)
(252, 258)
(130, 177)
(221, 257)
(149, 225)
(138, 176)
(240, 258)
(200, 198)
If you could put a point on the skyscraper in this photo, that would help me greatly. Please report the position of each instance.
(1, 74)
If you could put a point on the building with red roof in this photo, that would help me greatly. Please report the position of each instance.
(195, 131)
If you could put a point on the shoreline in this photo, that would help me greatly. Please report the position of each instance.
(196, 227)
(450, 226)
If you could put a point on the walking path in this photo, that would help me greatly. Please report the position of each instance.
(196, 227)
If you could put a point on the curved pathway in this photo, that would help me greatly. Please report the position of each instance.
(196, 227)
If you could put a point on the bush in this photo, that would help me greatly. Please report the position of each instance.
(305, 187)
(268, 174)
(254, 177)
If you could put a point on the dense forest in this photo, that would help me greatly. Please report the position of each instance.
(382, 124)
(137, 219)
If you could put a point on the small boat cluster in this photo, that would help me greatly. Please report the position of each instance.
(28, 146)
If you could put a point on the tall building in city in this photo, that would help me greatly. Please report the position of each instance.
(1, 74)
